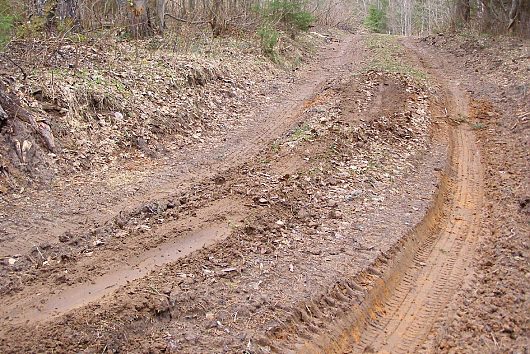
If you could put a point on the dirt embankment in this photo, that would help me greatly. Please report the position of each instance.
(126, 125)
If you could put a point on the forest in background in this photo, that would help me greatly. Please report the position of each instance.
(142, 18)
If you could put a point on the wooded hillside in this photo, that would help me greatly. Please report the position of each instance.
(140, 18)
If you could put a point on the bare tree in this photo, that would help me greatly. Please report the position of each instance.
(462, 12)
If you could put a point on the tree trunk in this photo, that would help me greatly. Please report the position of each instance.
(140, 25)
(161, 14)
(50, 13)
(462, 12)
(12, 113)
(68, 10)
(217, 22)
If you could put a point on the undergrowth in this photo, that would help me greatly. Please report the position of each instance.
(7, 20)
(278, 17)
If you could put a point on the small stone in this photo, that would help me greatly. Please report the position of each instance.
(65, 237)
(335, 214)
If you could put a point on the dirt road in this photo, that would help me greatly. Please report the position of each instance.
(88, 217)
(429, 266)
(340, 218)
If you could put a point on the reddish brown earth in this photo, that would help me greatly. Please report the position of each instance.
(359, 211)
(490, 313)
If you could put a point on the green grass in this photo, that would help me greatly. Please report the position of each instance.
(390, 56)
(301, 133)
(276, 147)
(7, 20)
(478, 126)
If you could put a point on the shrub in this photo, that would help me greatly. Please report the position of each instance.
(376, 19)
(287, 15)
(269, 38)
(7, 19)
(290, 13)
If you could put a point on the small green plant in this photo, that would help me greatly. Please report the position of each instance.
(376, 19)
(31, 28)
(269, 38)
(478, 126)
(275, 147)
(301, 133)
(7, 21)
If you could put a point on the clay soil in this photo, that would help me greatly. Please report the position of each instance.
(362, 208)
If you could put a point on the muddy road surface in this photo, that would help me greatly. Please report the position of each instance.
(341, 218)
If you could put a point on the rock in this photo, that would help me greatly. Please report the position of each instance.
(332, 204)
(303, 214)
(335, 214)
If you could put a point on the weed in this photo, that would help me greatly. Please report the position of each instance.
(31, 28)
(284, 15)
(297, 62)
(7, 20)
(478, 126)
(77, 37)
(313, 171)
(276, 147)
(269, 38)
(301, 133)
(120, 87)
(287, 12)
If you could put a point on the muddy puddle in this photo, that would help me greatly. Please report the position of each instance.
(137, 267)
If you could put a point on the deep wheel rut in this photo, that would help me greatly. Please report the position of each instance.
(405, 319)
(413, 286)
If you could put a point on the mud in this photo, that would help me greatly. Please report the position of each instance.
(302, 195)
(136, 267)
(344, 222)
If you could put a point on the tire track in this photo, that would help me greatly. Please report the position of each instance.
(50, 213)
(404, 293)
(406, 318)
(406, 314)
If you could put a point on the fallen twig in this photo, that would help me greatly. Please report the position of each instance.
(24, 75)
